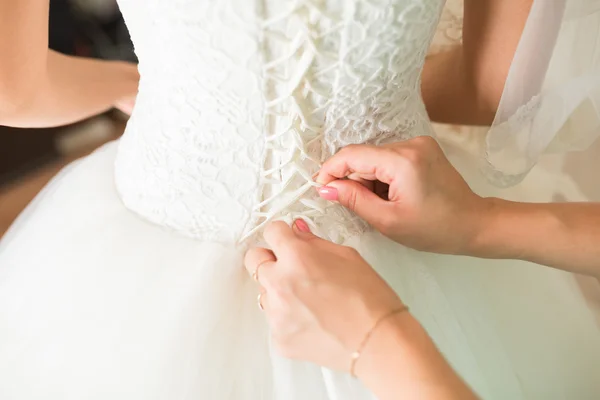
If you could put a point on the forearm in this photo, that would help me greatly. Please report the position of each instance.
(449, 93)
(400, 361)
(73, 89)
(560, 235)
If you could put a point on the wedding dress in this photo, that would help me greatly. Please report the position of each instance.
(124, 278)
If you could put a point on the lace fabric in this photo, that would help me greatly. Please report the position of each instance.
(228, 137)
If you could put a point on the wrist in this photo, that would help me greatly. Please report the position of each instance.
(391, 333)
(401, 361)
(474, 226)
(497, 224)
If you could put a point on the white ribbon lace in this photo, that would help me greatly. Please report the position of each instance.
(295, 139)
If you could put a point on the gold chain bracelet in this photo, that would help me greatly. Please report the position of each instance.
(356, 354)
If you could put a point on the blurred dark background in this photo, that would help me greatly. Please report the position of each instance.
(30, 157)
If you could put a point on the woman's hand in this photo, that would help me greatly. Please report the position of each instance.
(320, 298)
(425, 203)
(324, 302)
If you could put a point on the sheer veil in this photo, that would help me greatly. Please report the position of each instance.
(551, 99)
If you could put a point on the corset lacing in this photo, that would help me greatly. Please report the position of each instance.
(301, 139)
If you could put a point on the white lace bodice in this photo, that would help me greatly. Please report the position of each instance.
(241, 100)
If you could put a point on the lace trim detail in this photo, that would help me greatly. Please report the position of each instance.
(506, 144)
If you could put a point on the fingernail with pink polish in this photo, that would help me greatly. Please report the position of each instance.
(328, 193)
(302, 226)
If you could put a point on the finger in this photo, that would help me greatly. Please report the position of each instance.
(256, 259)
(354, 196)
(279, 236)
(367, 162)
(365, 182)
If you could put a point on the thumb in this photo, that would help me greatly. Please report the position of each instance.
(357, 198)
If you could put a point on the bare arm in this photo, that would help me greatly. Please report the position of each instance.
(429, 206)
(401, 361)
(464, 85)
(39, 87)
(561, 235)
(319, 311)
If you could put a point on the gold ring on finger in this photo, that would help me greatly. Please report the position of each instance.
(255, 273)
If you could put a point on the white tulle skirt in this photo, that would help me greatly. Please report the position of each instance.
(96, 303)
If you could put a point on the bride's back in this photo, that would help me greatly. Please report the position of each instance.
(241, 100)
